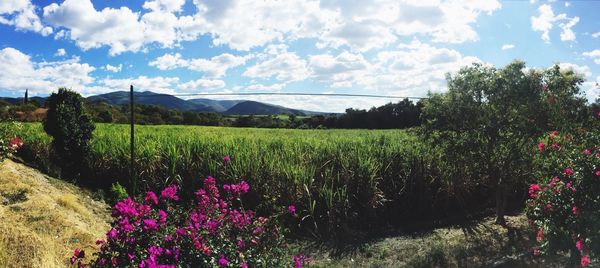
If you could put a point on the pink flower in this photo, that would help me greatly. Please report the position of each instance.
(534, 189)
(575, 210)
(598, 173)
(541, 146)
(587, 152)
(536, 251)
(170, 193)
(579, 245)
(223, 261)
(292, 209)
(553, 135)
(585, 261)
(151, 198)
(548, 207)
(226, 159)
(540, 235)
(556, 146)
(244, 265)
(568, 171)
(15, 143)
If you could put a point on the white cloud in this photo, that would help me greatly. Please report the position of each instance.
(21, 14)
(594, 54)
(592, 89)
(121, 29)
(261, 87)
(508, 46)
(114, 69)
(596, 35)
(157, 84)
(214, 67)
(544, 23)
(284, 67)
(582, 70)
(202, 84)
(20, 73)
(60, 52)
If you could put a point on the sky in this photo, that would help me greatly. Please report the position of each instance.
(383, 47)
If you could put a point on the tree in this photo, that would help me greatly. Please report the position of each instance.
(488, 121)
(71, 128)
(26, 100)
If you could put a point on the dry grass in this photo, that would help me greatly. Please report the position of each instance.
(482, 244)
(43, 219)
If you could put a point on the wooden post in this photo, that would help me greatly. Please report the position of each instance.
(132, 167)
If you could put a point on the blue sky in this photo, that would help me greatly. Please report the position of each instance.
(386, 47)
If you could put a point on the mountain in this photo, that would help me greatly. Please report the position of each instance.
(232, 107)
(15, 101)
(151, 98)
(259, 108)
(218, 105)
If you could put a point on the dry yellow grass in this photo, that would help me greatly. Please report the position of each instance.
(43, 219)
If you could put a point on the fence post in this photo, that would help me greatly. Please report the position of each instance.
(133, 182)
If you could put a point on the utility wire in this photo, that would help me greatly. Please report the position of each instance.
(283, 94)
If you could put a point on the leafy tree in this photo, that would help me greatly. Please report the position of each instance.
(487, 123)
(71, 128)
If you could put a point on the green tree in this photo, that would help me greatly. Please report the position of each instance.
(71, 128)
(487, 123)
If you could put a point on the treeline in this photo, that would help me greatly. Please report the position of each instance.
(403, 114)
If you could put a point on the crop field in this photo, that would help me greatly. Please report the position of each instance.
(332, 175)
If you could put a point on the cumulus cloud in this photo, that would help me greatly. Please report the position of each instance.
(596, 35)
(60, 52)
(544, 22)
(121, 29)
(594, 55)
(157, 84)
(21, 14)
(114, 69)
(508, 46)
(202, 84)
(20, 73)
(214, 67)
(583, 70)
(285, 67)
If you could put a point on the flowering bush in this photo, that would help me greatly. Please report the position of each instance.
(162, 231)
(564, 204)
(9, 143)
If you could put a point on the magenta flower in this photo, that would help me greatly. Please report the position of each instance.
(579, 245)
(587, 152)
(223, 261)
(170, 193)
(162, 216)
(112, 234)
(151, 198)
(226, 159)
(150, 225)
(598, 173)
(575, 210)
(292, 209)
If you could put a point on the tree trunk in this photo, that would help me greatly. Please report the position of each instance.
(500, 204)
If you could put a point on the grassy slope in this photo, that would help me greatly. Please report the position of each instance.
(43, 219)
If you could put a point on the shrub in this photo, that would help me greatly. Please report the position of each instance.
(215, 231)
(117, 192)
(71, 128)
(564, 206)
(9, 143)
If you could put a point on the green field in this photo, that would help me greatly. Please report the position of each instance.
(338, 178)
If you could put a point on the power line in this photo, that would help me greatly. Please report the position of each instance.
(285, 94)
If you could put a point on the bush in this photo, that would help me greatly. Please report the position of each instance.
(71, 128)
(215, 231)
(564, 204)
(9, 143)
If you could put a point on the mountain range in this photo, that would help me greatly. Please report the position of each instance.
(229, 107)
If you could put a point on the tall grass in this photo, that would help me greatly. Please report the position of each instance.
(341, 179)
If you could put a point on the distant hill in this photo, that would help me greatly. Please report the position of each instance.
(150, 98)
(259, 108)
(231, 107)
(218, 105)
